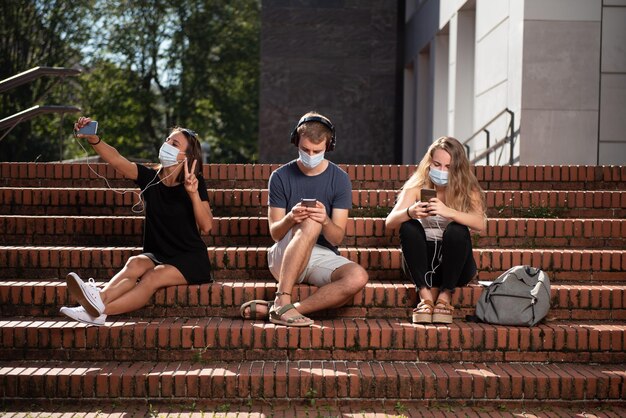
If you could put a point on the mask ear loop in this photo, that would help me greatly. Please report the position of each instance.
(140, 202)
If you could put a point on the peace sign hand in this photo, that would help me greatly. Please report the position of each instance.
(191, 181)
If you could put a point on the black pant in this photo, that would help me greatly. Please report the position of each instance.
(454, 262)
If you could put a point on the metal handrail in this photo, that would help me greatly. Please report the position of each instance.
(510, 138)
(12, 121)
(30, 113)
(34, 73)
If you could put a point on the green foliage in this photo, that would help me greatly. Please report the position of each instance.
(400, 408)
(110, 96)
(532, 211)
(224, 407)
(147, 66)
(310, 395)
(38, 33)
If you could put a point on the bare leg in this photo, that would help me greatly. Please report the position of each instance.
(426, 293)
(346, 281)
(137, 297)
(295, 259)
(126, 278)
(445, 296)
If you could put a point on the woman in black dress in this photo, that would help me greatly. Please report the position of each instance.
(177, 212)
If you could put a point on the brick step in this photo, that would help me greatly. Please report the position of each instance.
(245, 263)
(227, 339)
(256, 408)
(304, 380)
(377, 300)
(360, 232)
(568, 177)
(253, 202)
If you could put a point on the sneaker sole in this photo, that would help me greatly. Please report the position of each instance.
(76, 291)
(82, 321)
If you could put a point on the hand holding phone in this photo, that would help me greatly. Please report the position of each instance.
(309, 203)
(90, 129)
(425, 196)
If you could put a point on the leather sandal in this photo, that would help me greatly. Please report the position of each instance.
(423, 313)
(276, 317)
(254, 313)
(442, 314)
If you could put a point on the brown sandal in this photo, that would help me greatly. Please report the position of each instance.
(442, 314)
(423, 313)
(253, 312)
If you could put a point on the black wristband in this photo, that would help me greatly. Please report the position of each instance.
(408, 214)
(95, 143)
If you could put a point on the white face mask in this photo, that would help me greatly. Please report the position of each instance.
(439, 177)
(168, 155)
(311, 161)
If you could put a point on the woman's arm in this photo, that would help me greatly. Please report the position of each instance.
(474, 219)
(201, 209)
(202, 213)
(109, 154)
(405, 209)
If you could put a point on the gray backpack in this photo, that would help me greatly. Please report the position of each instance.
(520, 296)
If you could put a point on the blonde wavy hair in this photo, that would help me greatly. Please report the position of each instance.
(462, 186)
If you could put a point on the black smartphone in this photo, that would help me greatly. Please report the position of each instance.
(427, 194)
(310, 203)
(90, 129)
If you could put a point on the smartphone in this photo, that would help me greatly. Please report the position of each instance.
(310, 203)
(90, 129)
(427, 194)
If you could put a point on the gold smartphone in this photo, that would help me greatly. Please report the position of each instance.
(427, 194)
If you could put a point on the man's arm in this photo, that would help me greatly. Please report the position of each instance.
(280, 222)
(333, 228)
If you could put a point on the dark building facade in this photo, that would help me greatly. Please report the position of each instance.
(339, 58)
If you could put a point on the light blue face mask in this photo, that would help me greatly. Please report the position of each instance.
(311, 161)
(168, 155)
(439, 177)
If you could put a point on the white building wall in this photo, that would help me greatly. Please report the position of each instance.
(559, 65)
(461, 124)
(561, 81)
(497, 82)
(612, 136)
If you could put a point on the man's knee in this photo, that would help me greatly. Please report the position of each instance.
(307, 230)
(354, 277)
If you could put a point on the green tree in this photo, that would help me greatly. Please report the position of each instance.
(147, 65)
(215, 56)
(38, 33)
(109, 94)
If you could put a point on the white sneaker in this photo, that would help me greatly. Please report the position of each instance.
(87, 294)
(80, 314)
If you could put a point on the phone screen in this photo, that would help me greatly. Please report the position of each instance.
(90, 129)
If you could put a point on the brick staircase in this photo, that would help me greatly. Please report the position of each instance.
(191, 345)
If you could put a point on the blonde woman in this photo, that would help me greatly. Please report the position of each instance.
(434, 231)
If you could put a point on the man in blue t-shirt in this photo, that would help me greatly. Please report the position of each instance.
(307, 232)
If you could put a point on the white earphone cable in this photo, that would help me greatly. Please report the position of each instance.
(139, 206)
